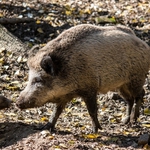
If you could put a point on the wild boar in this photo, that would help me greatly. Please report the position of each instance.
(83, 61)
(4, 102)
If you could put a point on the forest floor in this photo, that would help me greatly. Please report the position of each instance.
(73, 129)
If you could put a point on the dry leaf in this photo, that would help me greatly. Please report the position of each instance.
(63, 145)
(40, 30)
(1, 116)
(146, 147)
(1, 60)
(19, 59)
(91, 136)
(126, 132)
(44, 119)
(146, 125)
(146, 111)
(11, 114)
(28, 120)
(67, 12)
(38, 22)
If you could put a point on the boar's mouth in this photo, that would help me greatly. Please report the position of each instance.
(23, 104)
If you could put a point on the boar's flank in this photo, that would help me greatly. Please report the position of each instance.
(83, 61)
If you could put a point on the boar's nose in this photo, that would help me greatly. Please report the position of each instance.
(20, 104)
(25, 103)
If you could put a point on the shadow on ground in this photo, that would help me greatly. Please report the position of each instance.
(29, 32)
(21, 134)
(11, 132)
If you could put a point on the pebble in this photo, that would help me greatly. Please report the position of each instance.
(143, 139)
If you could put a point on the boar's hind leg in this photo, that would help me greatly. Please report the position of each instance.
(132, 94)
(138, 102)
(124, 90)
(56, 113)
(91, 103)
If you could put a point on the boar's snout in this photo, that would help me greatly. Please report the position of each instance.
(23, 103)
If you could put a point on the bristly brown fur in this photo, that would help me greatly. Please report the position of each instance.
(84, 60)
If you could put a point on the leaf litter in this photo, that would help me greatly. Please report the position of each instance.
(73, 129)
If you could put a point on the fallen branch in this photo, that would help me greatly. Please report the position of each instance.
(15, 20)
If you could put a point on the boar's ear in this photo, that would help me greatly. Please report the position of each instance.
(48, 65)
(32, 52)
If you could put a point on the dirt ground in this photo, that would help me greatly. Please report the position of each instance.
(18, 129)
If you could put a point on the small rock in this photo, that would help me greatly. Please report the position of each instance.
(143, 139)
(29, 15)
(4, 102)
(45, 133)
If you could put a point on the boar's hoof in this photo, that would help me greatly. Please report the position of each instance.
(134, 115)
(95, 129)
(47, 126)
(126, 119)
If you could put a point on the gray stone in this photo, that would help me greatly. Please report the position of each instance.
(143, 139)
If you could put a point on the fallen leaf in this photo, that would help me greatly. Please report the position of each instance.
(11, 114)
(113, 139)
(17, 73)
(2, 49)
(146, 125)
(129, 7)
(63, 145)
(146, 146)
(112, 120)
(38, 22)
(146, 111)
(19, 59)
(67, 12)
(118, 114)
(40, 30)
(104, 19)
(28, 120)
(91, 136)
(15, 82)
(44, 119)
(1, 15)
(51, 137)
(1, 60)
(103, 108)
(126, 132)
(71, 142)
(87, 10)
(1, 116)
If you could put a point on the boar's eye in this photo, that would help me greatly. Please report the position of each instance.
(36, 80)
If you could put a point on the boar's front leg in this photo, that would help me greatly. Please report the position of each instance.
(56, 113)
(90, 99)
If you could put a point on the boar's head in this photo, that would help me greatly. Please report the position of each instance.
(44, 84)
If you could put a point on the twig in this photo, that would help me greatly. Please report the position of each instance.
(15, 20)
